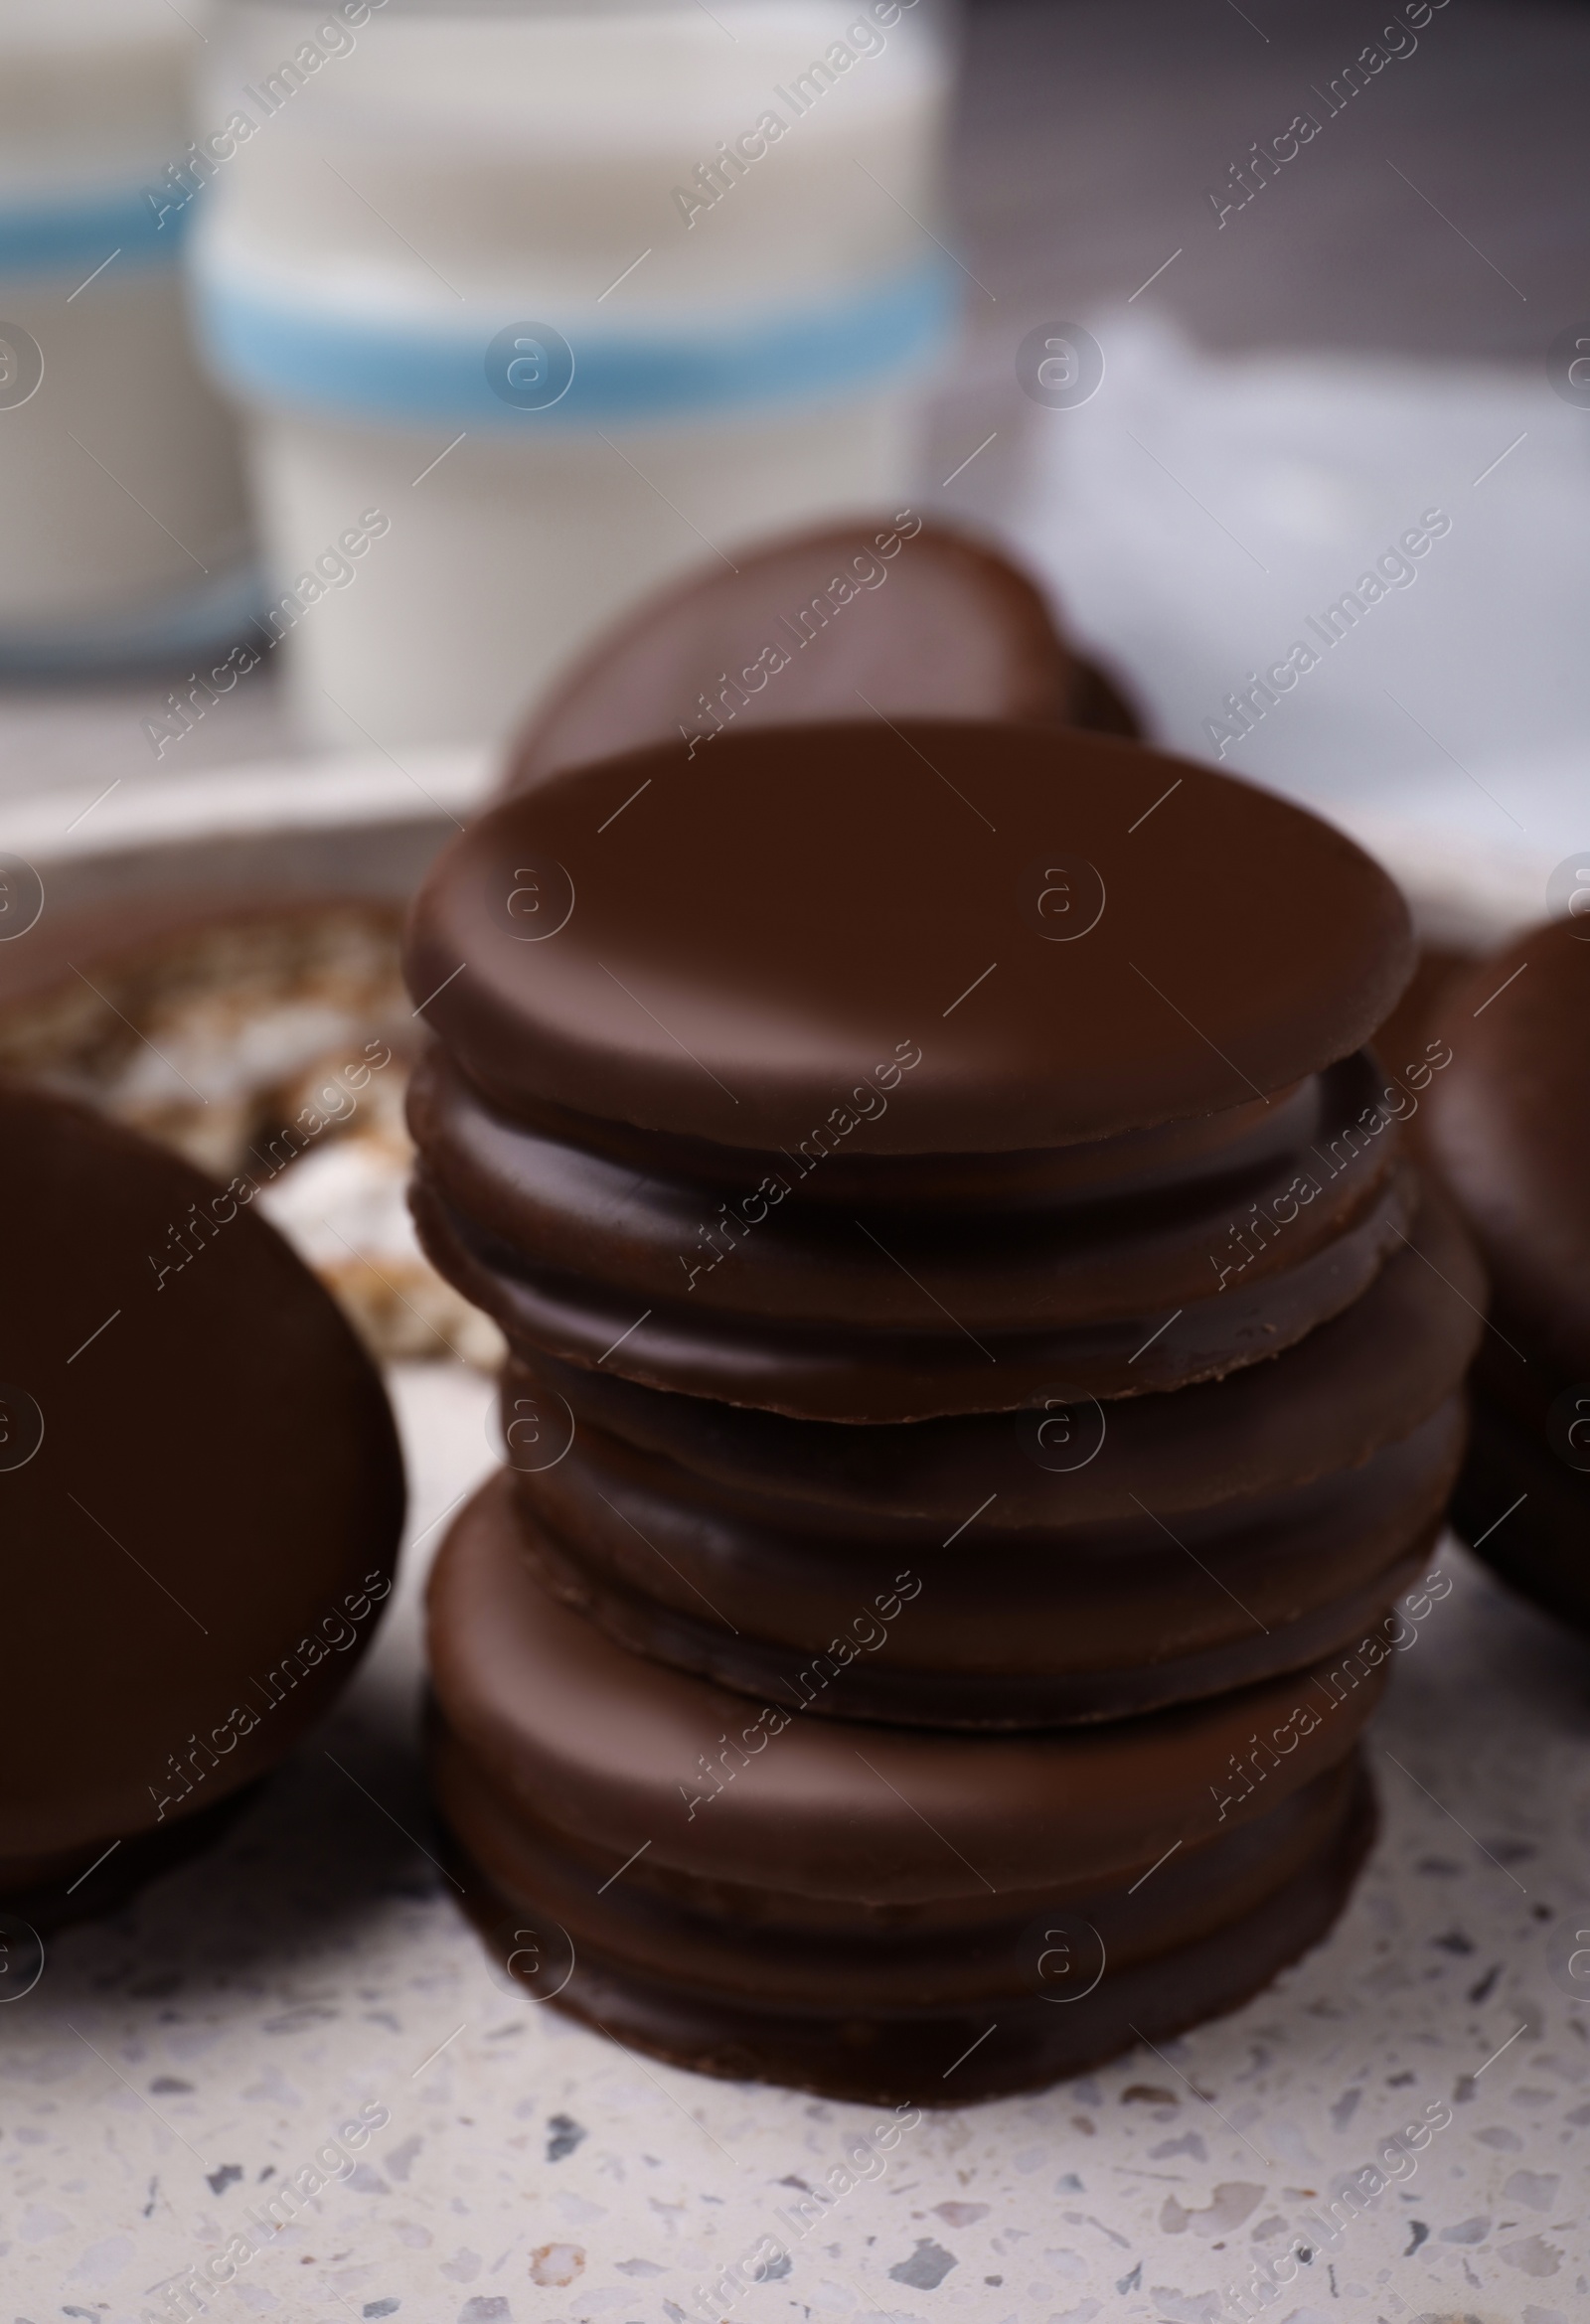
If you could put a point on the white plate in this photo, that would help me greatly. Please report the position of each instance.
(343, 826)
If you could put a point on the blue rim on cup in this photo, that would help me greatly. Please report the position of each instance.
(278, 344)
(64, 233)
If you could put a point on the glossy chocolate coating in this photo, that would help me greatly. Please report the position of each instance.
(925, 625)
(473, 1136)
(961, 1425)
(810, 1951)
(886, 1377)
(907, 2055)
(813, 1312)
(1112, 1247)
(1077, 1561)
(1525, 1510)
(1034, 1630)
(49, 1893)
(217, 1486)
(1508, 1126)
(579, 1734)
(1081, 1559)
(786, 1918)
(737, 940)
(1364, 1381)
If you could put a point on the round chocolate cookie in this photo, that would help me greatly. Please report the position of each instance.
(202, 1492)
(933, 939)
(1508, 1126)
(1021, 1630)
(908, 619)
(1369, 1379)
(1080, 1560)
(834, 1905)
(804, 1309)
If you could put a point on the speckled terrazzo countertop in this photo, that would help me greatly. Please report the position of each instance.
(175, 2067)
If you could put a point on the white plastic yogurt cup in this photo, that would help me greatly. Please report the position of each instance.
(122, 500)
(554, 302)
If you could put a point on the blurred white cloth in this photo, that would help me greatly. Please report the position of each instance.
(1197, 510)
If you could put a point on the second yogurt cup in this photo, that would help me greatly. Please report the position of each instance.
(121, 487)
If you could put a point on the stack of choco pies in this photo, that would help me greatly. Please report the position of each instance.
(981, 1372)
